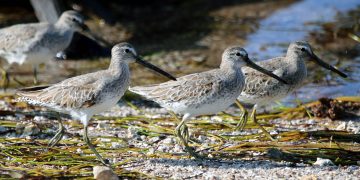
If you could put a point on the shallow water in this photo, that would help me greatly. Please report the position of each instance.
(294, 23)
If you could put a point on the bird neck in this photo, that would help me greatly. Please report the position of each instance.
(63, 28)
(296, 65)
(117, 67)
(230, 69)
(229, 66)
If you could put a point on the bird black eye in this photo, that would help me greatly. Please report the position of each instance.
(73, 19)
(237, 54)
(302, 49)
(127, 50)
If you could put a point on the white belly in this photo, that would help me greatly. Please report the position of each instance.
(42, 56)
(203, 109)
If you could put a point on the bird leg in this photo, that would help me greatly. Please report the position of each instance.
(253, 117)
(243, 116)
(59, 133)
(91, 146)
(5, 77)
(35, 75)
(174, 115)
(182, 132)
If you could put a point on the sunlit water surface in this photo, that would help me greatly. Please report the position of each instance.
(294, 23)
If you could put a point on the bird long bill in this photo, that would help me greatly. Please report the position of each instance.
(264, 71)
(85, 30)
(153, 67)
(326, 65)
(84, 27)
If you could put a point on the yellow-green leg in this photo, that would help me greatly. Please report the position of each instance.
(91, 146)
(182, 132)
(243, 116)
(253, 117)
(5, 78)
(35, 75)
(59, 134)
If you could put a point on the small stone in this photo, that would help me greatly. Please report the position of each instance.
(102, 125)
(79, 151)
(199, 59)
(31, 129)
(211, 176)
(309, 177)
(3, 129)
(18, 174)
(40, 118)
(151, 151)
(178, 148)
(201, 138)
(274, 132)
(132, 132)
(341, 127)
(143, 137)
(163, 148)
(20, 128)
(323, 162)
(104, 173)
(105, 140)
(20, 116)
(216, 119)
(168, 140)
(154, 139)
(116, 145)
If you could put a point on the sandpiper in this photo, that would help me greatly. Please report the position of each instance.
(202, 93)
(260, 90)
(85, 95)
(37, 43)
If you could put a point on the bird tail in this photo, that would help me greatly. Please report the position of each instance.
(30, 93)
(142, 90)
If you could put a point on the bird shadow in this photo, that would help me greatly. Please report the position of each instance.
(219, 163)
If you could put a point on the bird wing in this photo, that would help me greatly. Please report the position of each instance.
(20, 38)
(77, 92)
(193, 87)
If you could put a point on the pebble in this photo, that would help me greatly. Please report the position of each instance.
(341, 127)
(40, 118)
(132, 132)
(216, 119)
(3, 129)
(154, 139)
(103, 125)
(117, 145)
(19, 128)
(151, 151)
(323, 162)
(79, 151)
(31, 130)
(168, 140)
(104, 173)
